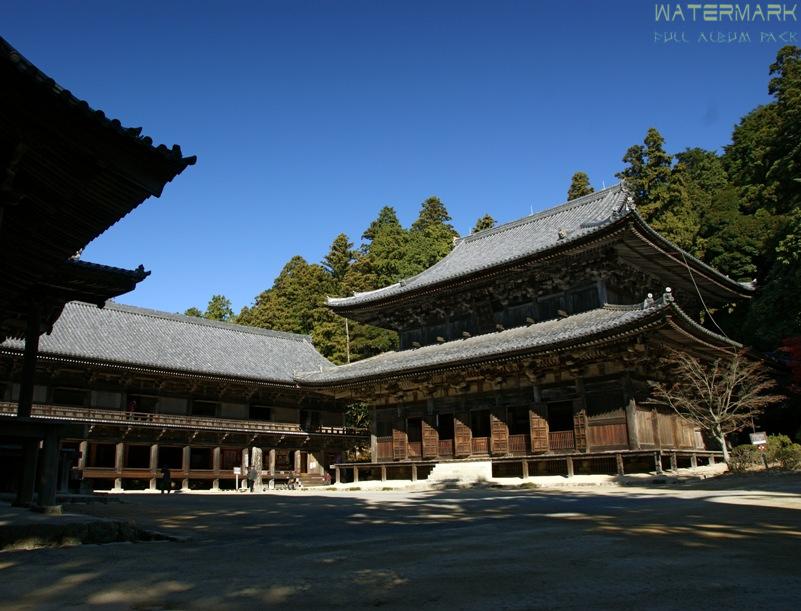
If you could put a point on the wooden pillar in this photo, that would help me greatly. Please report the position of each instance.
(27, 478)
(154, 466)
(569, 463)
(271, 464)
(47, 487)
(693, 461)
(631, 424)
(580, 418)
(619, 460)
(30, 447)
(373, 436)
(216, 462)
(674, 462)
(414, 472)
(83, 448)
(119, 457)
(655, 428)
(711, 460)
(245, 460)
(383, 473)
(258, 464)
(185, 467)
(32, 330)
(524, 464)
(658, 463)
(355, 475)
(337, 476)
(296, 462)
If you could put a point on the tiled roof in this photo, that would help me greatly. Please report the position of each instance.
(600, 324)
(507, 243)
(25, 67)
(131, 336)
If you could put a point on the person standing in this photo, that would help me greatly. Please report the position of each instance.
(166, 480)
(252, 475)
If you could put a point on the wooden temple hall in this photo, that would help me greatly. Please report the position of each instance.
(529, 350)
(112, 393)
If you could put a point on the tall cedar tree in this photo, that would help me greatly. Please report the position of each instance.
(485, 222)
(579, 186)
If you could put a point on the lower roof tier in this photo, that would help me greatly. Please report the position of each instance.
(595, 327)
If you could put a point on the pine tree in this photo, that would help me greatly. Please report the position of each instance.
(579, 186)
(648, 175)
(431, 236)
(218, 308)
(339, 258)
(485, 222)
(193, 311)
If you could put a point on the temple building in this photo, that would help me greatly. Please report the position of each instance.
(67, 173)
(146, 389)
(530, 347)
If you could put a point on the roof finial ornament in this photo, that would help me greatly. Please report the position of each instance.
(562, 233)
(649, 301)
(668, 294)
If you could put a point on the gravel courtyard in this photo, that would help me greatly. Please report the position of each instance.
(728, 542)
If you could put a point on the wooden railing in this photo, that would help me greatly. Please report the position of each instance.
(518, 444)
(561, 440)
(446, 447)
(480, 445)
(93, 415)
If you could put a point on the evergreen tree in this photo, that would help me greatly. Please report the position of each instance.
(431, 236)
(485, 222)
(579, 186)
(339, 258)
(648, 175)
(193, 311)
(218, 308)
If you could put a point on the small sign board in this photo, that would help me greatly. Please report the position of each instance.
(758, 439)
(237, 470)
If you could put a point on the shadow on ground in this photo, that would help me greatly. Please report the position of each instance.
(734, 542)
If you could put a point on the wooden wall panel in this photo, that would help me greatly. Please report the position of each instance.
(430, 439)
(645, 427)
(580, 429)
(399, 439)
(499, 432)
(665, 424)
(538, 424)
(463, 436)
(608, 435)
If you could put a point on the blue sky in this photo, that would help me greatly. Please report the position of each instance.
(308, 116)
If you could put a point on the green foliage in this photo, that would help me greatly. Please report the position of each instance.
(790, 457)
(339, 257)
(579, 186)
(744, 458)
(357, 415)
(219, 308)
(485, 222)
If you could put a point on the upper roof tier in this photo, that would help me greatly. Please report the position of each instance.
(131, 337)
(535, 236)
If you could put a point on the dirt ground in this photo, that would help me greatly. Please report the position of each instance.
(725, 542)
